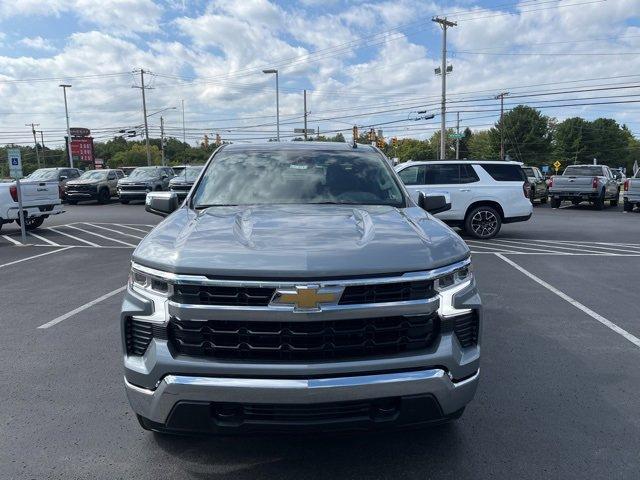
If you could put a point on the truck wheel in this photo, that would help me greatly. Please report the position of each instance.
(72, 202)
(575, 202)
(599, 202)
(544, 199)
(124, 202)
(555, 202)
(32, 223)
(483, 222)
(104, 196)
(532, 195)
(628, 207)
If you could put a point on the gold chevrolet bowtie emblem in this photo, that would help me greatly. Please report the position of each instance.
(306, 298)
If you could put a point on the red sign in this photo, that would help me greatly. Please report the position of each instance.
(82, 149)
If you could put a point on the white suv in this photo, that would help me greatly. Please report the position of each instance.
(484, 194)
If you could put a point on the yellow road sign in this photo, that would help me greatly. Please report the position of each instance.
(557, 165)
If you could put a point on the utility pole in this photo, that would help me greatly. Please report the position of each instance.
(444, 23)
(144, 111)
(275, 71)
(184, 131)
(501, 97)
(35, 141)
(457, 135)
(305, 115)
(162, 138)
(44, 151)
(66, 111)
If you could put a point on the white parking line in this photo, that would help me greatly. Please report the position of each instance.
(115, 231)
(9, 239)
(573, 249)
(71, 236)
(615, 248)
(130, 227)
(53, 244)
(488, 243)
(34, 256)
(101, 236)
(493, 249)
(596, 316)
(59, 319)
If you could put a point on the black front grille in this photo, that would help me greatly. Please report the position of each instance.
(215, 295)
(81, 188)
(466, 328)
(138, 335)
(134, 188)
(389, 292)
(181, 188)
(323, 412)
(303, 340)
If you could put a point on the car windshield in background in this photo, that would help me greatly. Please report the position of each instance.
(44, 174)
(257, 177)
(529, 172)
(583, 171)
(190, 173)
(144, 173)
(93, 175)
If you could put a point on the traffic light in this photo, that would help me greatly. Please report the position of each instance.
(380, 143)
(218, 140)
(394, 142)
(372, 135)
(206, 141)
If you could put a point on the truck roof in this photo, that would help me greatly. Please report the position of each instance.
(467, 162)
(336, 146)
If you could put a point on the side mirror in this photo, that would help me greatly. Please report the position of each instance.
(434, 202)
(161, 203)
(165, 176)
(63, 177)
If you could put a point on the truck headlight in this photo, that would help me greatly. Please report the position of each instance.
(144, 281)
(448, 286)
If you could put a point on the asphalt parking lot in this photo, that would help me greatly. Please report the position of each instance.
(559, 394)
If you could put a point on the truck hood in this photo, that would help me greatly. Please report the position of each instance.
(137, 181)
(299, 241)
(84, 182)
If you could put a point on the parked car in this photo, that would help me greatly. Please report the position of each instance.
(178, 169)
(142, 181)
(631, 194)
(578, 183)
(56, 174)
(40, 199)
(98, 185)
(619, 176)
(538, 189)
(127, 170)
(484, 194)
(183, 181)
(299, 286)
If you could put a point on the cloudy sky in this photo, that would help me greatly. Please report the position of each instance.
(363, 63)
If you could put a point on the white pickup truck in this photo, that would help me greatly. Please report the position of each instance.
(631, 193)
(39, 200)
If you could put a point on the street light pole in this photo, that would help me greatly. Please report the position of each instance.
(66, 111)
(444, 23)
(273, 70)
(162, 138)
(501, 97)
(35, 141)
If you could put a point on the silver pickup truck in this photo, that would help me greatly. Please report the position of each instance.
(39, 200)
(299, 286)
(631, 193)
(579, 183)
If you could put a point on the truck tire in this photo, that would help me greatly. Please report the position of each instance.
(555, 202)
(628, 207)
(599, 202)
(104, 196)
(31, 223)
(532, 195)
(124, 202)
(544, 199)
(483, 222)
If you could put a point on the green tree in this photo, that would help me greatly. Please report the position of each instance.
(412, 149)
(527, 137)
(135, 156)
(480, 147)
(568, 140)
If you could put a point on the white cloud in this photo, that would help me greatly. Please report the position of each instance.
(37, 43)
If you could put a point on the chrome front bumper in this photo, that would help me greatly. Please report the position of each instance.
(156, 405)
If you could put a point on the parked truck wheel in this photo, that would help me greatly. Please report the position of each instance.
(72, 202)
(483, 222)
(628, 207)
(613, 203)
(104, 196)
(31, 223)
(555, 202)
(124, 202)
(599, 202)
(544, 199)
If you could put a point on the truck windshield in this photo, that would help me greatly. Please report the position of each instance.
(93, 175)
(262, 177)
(190, 173)
(144, 173)
(583, 170)
(528, 171)
(44, 174)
